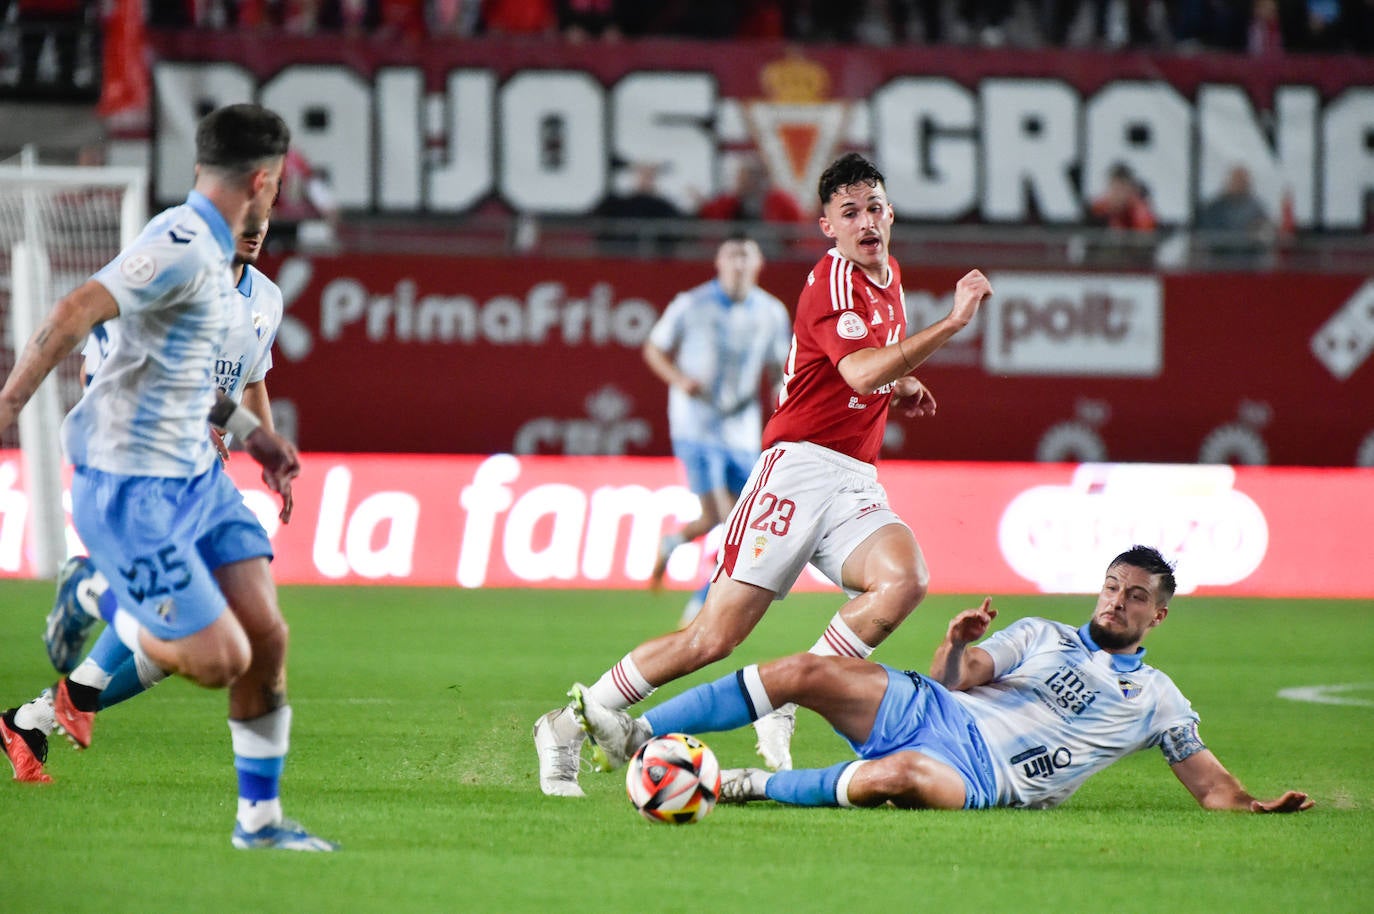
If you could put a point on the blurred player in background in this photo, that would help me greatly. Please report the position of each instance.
(163, 523)
(1023, 719)
(713, 347)
(813, 495)
(110, 673)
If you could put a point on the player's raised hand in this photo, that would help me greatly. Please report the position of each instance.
(1291, 801)
(969, 293)
(972, 624)
(280, 463)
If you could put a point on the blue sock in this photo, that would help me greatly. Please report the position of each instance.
(107, 604)
(806, 786)
(125, 684)
(259, 778)
(709, 708)
(108, 652)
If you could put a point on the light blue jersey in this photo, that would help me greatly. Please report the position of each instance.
(1060, 709)
(727, 346)
(244, 358)
(145, 411)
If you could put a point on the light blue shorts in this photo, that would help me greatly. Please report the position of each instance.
(711, 466)
(159, 540)
(918, 713)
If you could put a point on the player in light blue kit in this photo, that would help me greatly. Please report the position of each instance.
(713, 347)
(1022, 719)
(111, 674)
(162, 521)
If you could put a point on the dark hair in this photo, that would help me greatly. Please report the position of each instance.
(239, 138)
(846, 171)
(1149, 559)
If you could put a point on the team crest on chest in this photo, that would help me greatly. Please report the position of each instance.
(259, 324)
(1129, 688)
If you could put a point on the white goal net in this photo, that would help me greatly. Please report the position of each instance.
(58, 225)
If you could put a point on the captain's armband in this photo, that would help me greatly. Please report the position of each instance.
(233, 418)
(1180, 742)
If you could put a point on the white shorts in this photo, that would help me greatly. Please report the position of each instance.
(803, 503)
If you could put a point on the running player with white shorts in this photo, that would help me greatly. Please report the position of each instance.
(813, 495)
(1022, 719)
(162, 521)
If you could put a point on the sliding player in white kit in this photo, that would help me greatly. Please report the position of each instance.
(814, 494)
(110, 673)
(162, 521)
(1022, 719)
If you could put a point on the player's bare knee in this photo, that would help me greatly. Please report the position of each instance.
(705, 644)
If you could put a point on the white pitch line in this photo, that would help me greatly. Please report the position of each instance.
(1331, 694)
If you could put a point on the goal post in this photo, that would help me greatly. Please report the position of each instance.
(58, 225)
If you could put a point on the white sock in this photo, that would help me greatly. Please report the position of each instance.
(36, 715)
(149, 673)
(127, 628)
(839, 640)
(842, 785)
(255, 815)
(90, 673)
(753, 685)
(621, 686)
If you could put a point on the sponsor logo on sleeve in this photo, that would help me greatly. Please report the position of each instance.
(138, 268)
(851, 327)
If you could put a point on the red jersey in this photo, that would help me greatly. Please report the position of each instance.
(840, 311)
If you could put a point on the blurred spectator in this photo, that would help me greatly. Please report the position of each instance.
(1322, 26)
(306, 213)
(642, 202)
(754, 199)
(1234, 227)
(1123, 205)
(1212, 24)
(1265, 37)
(580, 20)
(519, 17)
(402, 20)
(1125, 210)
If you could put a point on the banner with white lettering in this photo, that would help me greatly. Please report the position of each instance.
(962, 133)
(507, 521)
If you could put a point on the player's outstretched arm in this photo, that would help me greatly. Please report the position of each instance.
(955, 665)
(65, 328)
(1216, 788)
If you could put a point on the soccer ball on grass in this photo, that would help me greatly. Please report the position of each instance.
(674, 779)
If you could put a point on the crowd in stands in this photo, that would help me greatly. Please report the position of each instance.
(1259, 27)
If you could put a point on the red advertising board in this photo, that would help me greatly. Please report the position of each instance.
(507, 521)
(427, 354)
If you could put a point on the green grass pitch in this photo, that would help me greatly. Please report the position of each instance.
(411, 746)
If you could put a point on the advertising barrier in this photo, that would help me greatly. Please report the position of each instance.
(432, 354)
(508, 521)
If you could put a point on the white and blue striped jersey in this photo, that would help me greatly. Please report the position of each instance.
(1059, 710)
(725, 345)
(144, 413)
(246, 355)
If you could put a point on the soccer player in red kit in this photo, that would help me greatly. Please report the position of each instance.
(814, 494)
